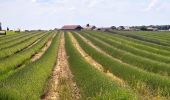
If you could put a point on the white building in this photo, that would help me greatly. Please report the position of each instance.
(152, 29)
(126, 28)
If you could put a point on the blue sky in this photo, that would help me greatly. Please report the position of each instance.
(48, 14)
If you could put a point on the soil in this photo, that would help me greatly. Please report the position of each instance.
(39, 54)
(61, 84)
(93, 62)
(142, 91)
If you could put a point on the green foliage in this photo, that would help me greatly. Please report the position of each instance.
(11, 33)
(22, 44)
(137, 61)
(29, 82)
(127, 72)
(135, 44)
(16, 41)
(136, 51)
(11, 38)
(93, 84)
(13, 61)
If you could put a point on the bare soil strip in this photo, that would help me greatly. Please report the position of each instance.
(142, 90)
(41, 52)
(61, 84)
(32, 44)
(94, 63)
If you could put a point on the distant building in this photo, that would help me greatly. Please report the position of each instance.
(89, 27)
(97, 29)
(120, 28)
(113, 27)
(104, 29)
(152, 29)
(127, 28)
(56, 29)
(72, 27)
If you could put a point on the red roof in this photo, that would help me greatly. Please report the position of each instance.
(71, 27)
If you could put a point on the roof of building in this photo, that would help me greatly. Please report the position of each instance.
(70, 26)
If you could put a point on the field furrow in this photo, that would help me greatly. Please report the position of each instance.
(88, 78)
(30, 82)
(134, 76)
(19, 58)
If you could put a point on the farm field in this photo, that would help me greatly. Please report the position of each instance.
(85, 65)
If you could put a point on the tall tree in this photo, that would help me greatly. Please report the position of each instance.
(7, 29)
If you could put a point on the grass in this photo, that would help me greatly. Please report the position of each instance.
(17, 40)
(29, 83)
(20, 45)
(93, 84)
(136, 61)
(13, 37)
(19, 58)
(12, 33)
(130, 42)
(164, 35)
(136, 51)
(2, 38)
(65, 89)
(158, 84)
(140, 59)
(144, 38)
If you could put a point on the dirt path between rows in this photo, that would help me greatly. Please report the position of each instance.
(42, 51)
(142, 91)
(61, 84)
(94, 63)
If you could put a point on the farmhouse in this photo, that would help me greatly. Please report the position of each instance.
(72, 27)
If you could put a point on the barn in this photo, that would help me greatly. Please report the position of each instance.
(71, 27)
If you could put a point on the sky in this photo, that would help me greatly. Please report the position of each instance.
(50, 14)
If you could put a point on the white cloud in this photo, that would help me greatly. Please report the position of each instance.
(54, 13)
(34, 0)
(72, 8)
(93, 3)
(151, 5)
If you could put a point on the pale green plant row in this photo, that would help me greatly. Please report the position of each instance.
(135, 51)
(20, 46)
(134, 44)
(159, 47)
(17, 41)
(142, 38)
(30, 82)
(160, 85)
(13, 61)
(11, 36)
(148, 35)
(158, 35)
(93, 84)
(126, 57)
(14, 38)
